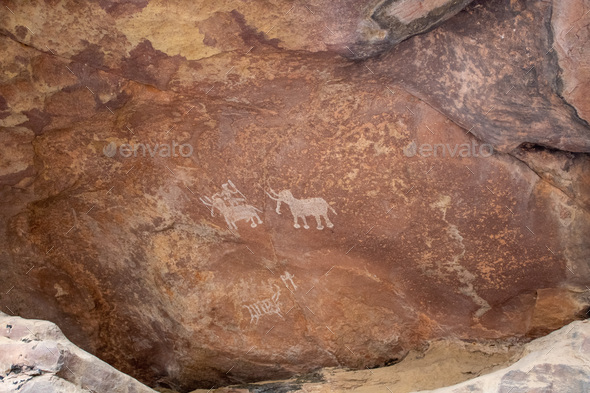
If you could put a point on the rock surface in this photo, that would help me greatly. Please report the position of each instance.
(494, 71)
(557, 363)
(35, 357)
(171, 261)
(571, 36)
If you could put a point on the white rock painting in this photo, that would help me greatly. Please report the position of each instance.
(301, 208)
(231, 204)
(288, 278)
(264, 307)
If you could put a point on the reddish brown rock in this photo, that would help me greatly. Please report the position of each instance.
(569, 24)
(492, 368)
(490, 77)
(143, 217)
(554, 308)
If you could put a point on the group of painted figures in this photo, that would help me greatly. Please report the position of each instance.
(231, 204)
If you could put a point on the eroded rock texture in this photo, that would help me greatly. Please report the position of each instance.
(146, 145)
(558, 362)
(36, 357)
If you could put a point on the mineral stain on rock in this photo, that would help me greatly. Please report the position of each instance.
(355, 116)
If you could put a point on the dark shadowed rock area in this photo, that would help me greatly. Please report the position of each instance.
(218, 193)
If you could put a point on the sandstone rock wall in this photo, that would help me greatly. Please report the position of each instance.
(558, 362)
(136, 135)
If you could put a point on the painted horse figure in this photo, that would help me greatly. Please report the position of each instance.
(233, 213)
